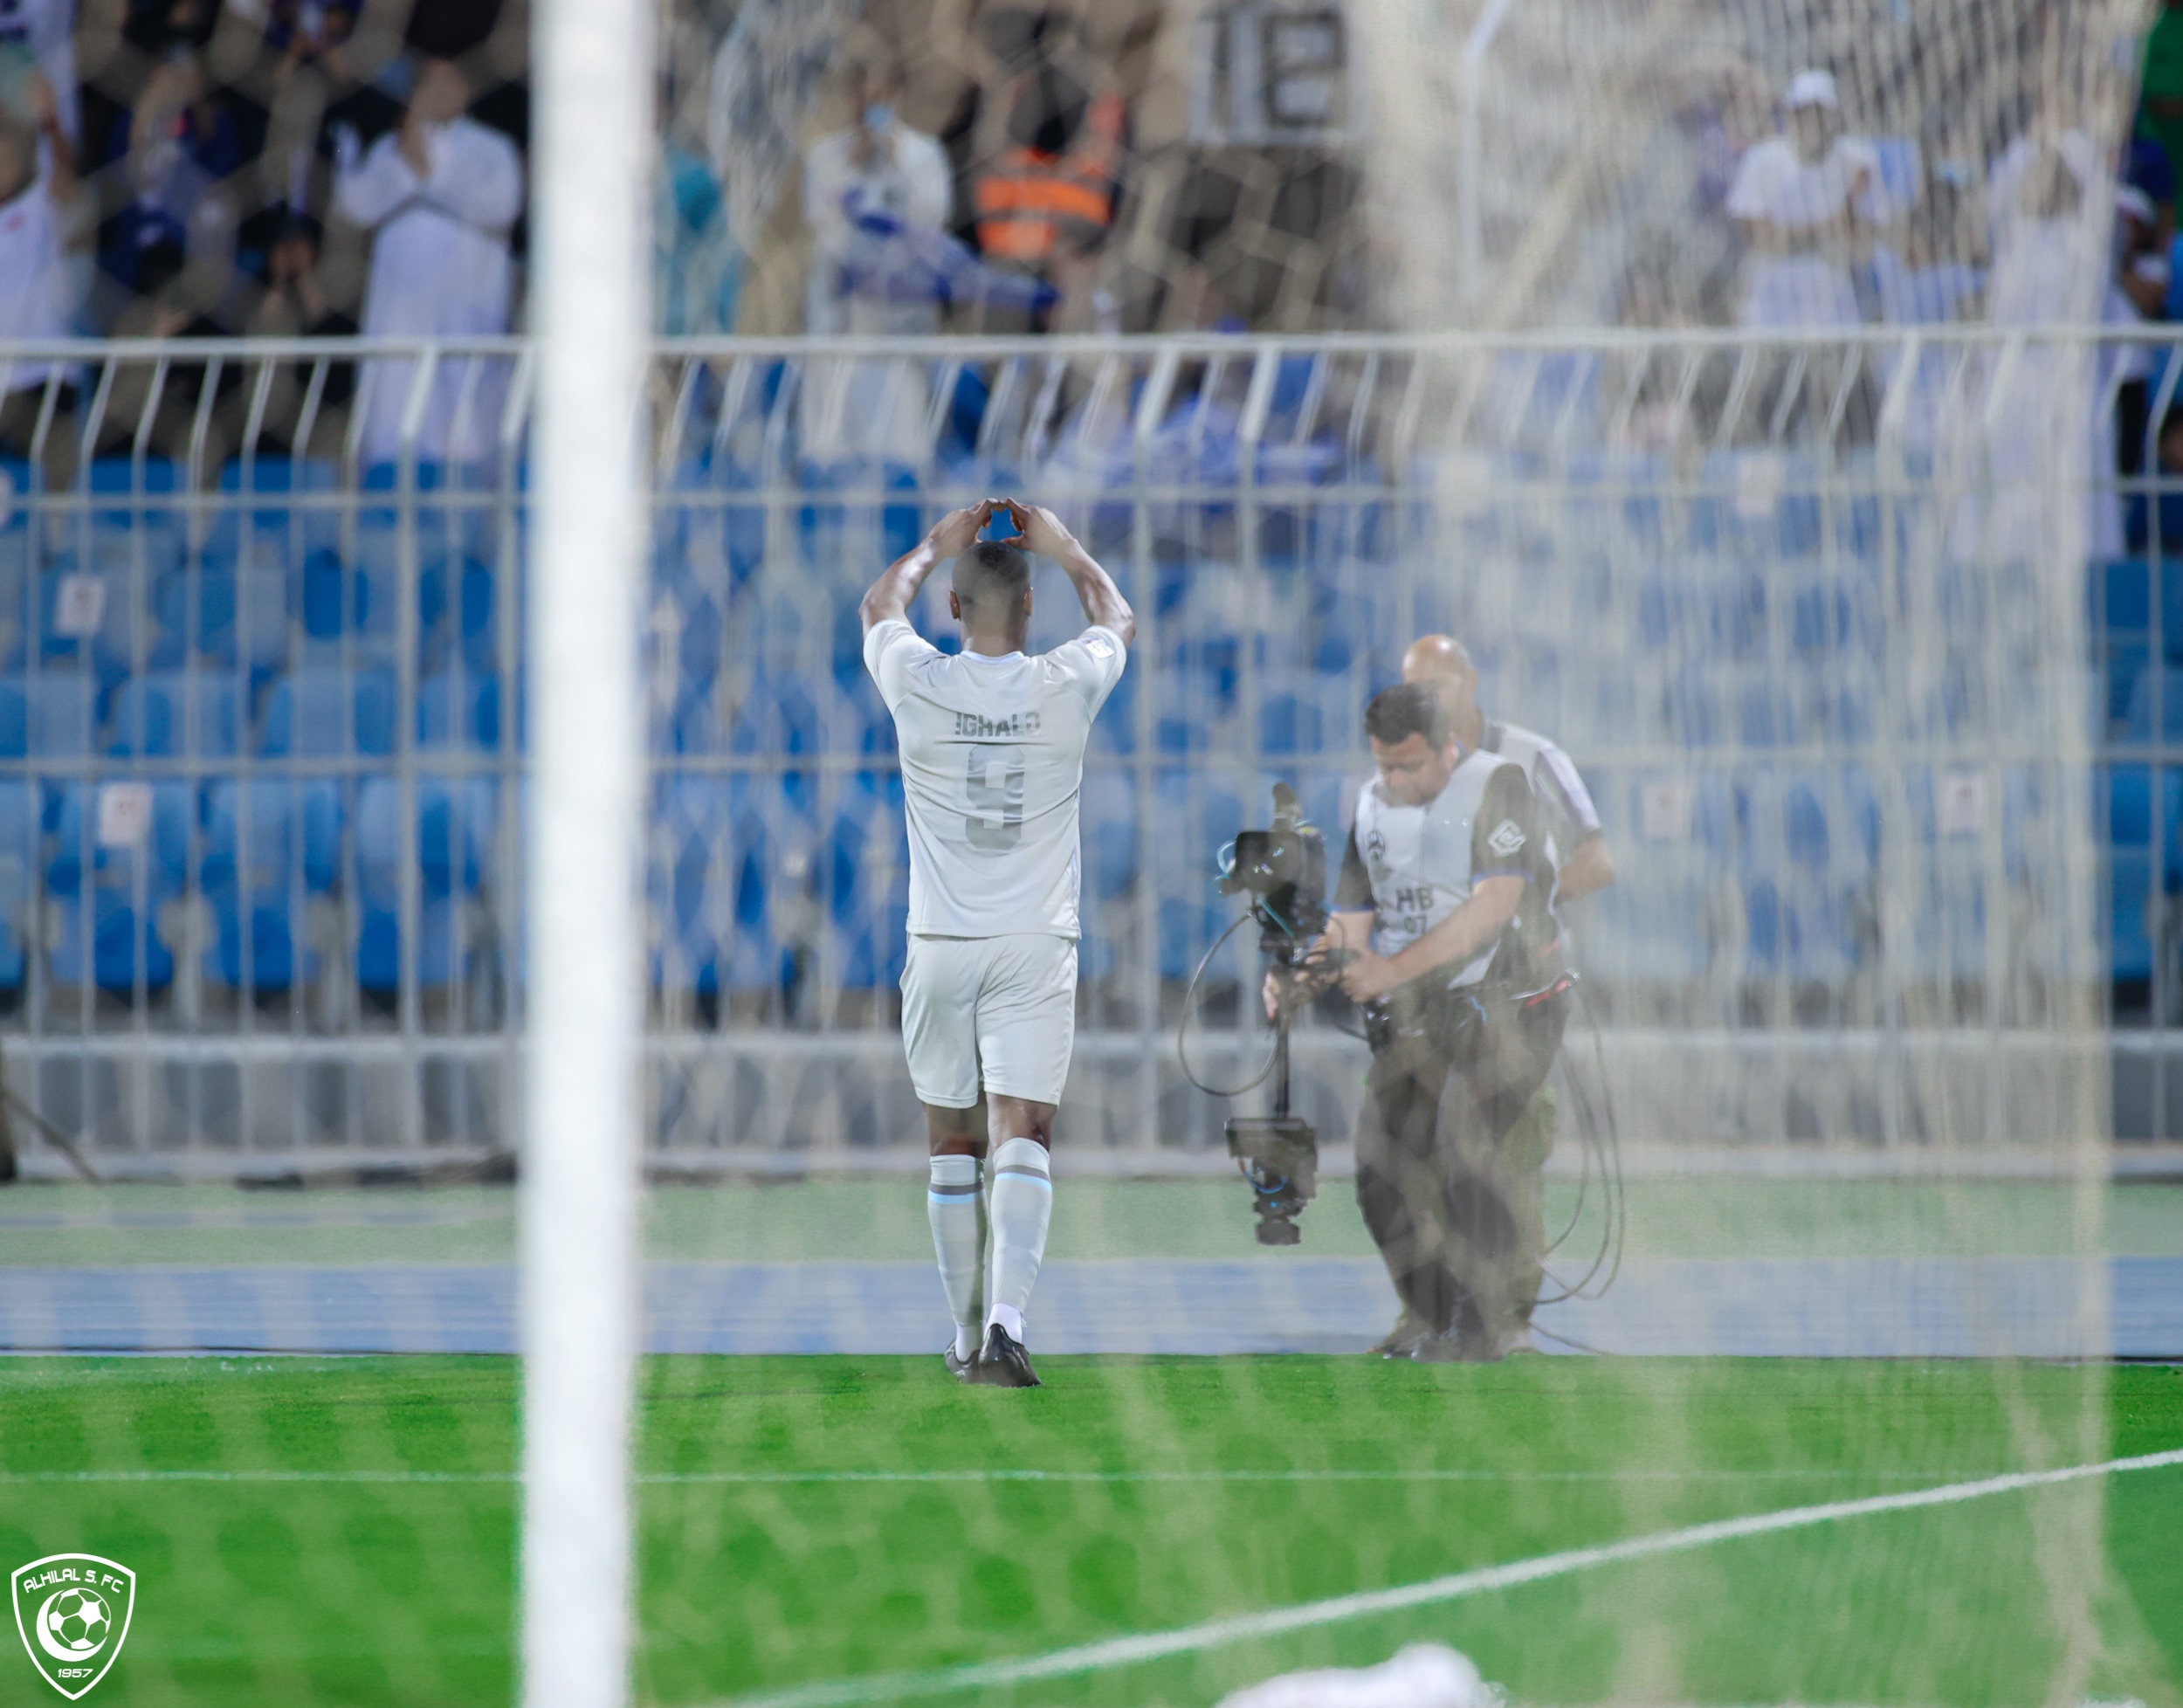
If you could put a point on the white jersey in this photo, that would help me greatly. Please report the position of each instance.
(1566, 815)
(33, 281)
(992, 763)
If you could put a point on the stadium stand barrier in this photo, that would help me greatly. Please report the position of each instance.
(263, 722)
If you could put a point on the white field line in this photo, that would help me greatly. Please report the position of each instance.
(1129, 1651)
(776, 1478)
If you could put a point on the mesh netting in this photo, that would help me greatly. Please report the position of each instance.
(1820, 1176)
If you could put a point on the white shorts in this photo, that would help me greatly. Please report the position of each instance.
(1000, 1011)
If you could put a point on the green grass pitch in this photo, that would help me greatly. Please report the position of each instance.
(401, 1591)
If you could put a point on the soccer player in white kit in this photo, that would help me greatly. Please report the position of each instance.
(992, 744)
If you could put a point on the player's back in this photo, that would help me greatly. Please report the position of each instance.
(992, 753)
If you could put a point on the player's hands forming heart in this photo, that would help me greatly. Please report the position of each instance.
(955, 532)
(1039, 530)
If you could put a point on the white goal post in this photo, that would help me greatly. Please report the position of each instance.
(579, 1192)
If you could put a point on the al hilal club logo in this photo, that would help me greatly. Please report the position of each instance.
(74, 1612)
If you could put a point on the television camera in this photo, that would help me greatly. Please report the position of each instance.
(1284, 872)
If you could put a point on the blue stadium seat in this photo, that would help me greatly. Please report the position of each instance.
(1601, 707)
(688, 725)
(455, 827)
(2154, 709)
(1198, 812)
(1321, 789)
(330, 713)
(242, 621)
(1530, 687)
(1655, 924)
(1809, 844)
(2134, 869)
(1199, 697)
(708, 883)
(62, 714)
(2130, 796)
(1690, 708)
(18, 617)
(2172, 830)
(1293, 530)
(174, 715)
(715, 536)
(1766, 713)
(375, 550)
(867, 509)
(14, 714)
(2130, 947)
(19, 821)
(375, 610)
(775, 715)
(270, 846)
(1290, 724)
(869, 883)
(2119, 595)
(1759, 506)
(454, 601)
(788, 805)
(107, 895)
(457, 708)
(2170, 575)
(1114, 731)
(61, 595)
(129, 493)
(859, 719)
(456, 595)
(327, 597)
(1613, 502)
(1835, 617)
(1107, 826)
(698, 631)
(132, 552)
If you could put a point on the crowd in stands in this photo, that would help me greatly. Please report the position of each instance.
(293, 168)
(297, 168)
(193, 177)
(1800, 221)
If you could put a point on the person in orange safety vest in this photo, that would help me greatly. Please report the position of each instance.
(1035, 207)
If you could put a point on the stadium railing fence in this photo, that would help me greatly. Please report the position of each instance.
(263, 716)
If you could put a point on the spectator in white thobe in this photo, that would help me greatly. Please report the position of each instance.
(864, 190)
(442, 192)
(37, 186)
(874, 195)
(2053, 265)
(1805, 199)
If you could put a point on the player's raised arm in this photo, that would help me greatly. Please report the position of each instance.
(952, 535)
(1039, 530)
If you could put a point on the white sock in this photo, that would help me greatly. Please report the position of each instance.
(1022, 1204)
(957, 1210)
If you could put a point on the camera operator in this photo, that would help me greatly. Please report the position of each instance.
(1566, 812)
(1443, 932)
(1583, 866)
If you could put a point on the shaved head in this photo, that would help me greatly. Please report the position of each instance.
(990, 571)
(1433, 657)
(1439, 662)
(992, 595)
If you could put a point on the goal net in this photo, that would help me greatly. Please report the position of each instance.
(1784, 499)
